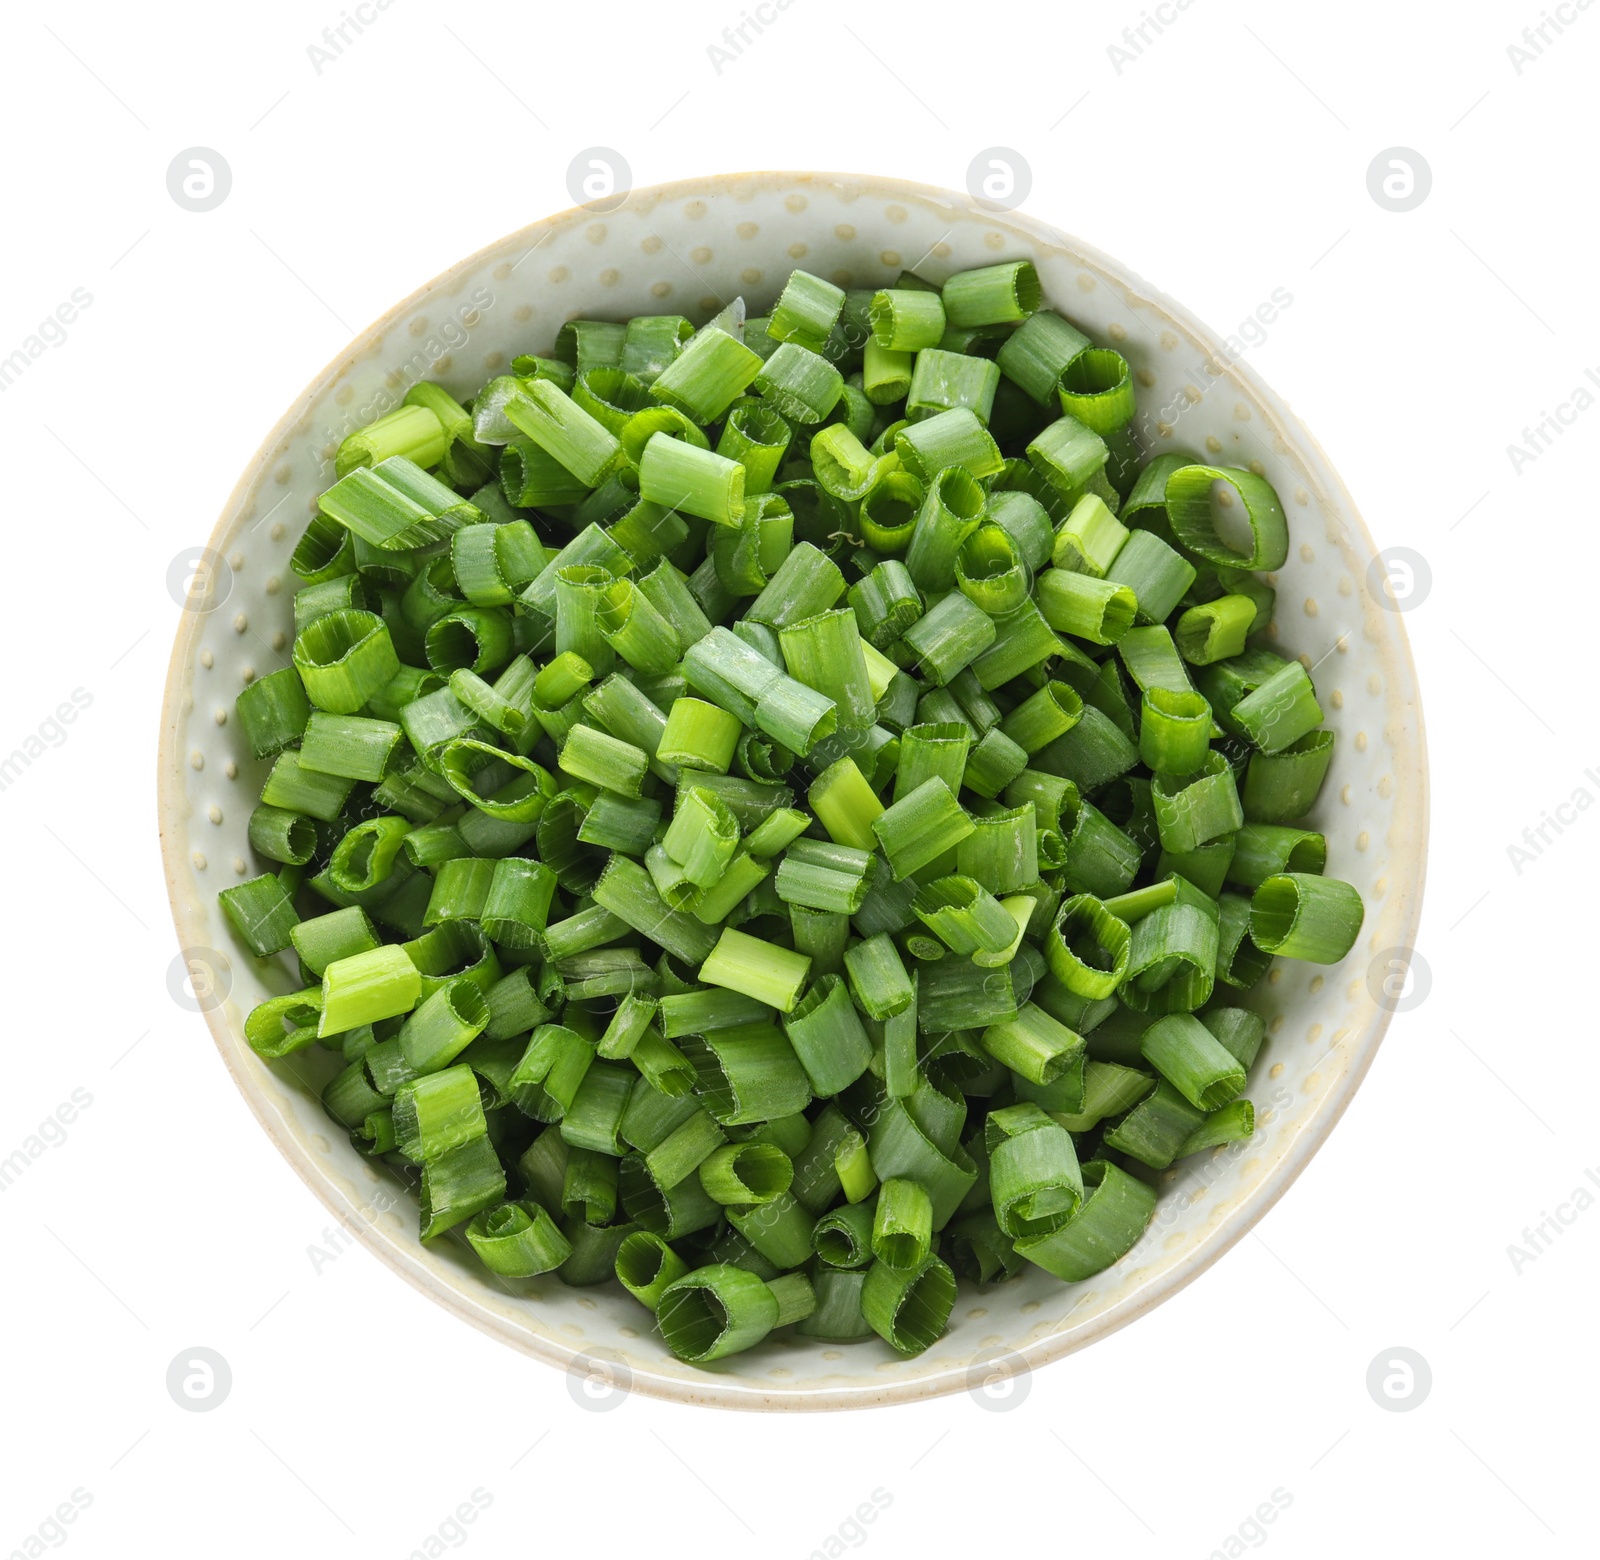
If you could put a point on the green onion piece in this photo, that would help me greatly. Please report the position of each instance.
(1043, 717)
(1101, 611)
(929, 751)
(748, 1073)
(993, 294)
(824, 876)
(1234, 1121)
(443, 1026)
(701, 1012)
(594, 1252)
(647, 1266)
(1192, 1060)
(547, 1078)
(1196, 807)
(1240, 1031)
(906, 321)
(1036, 353)
(902, 1224)
(635, 630)
(459, 1184)
(1213, 508)
(920, 827)
(1173, 953)
(714, 1312)
(1035, 1183)
(681, 1153)
(888, 512)
(1115, 1212)
(412, 431)
(885, 374)
(1156, 575)
(806, 311)
(699, 736)
(518, 1240)
(951, 512)
(696, 481)
(1067, 454)
(852, 1164)
(828, 1038)
(1022, 641)
(702, 836)
(589, 1186)
(273, 710)
(652, 342)
(757, 437)
(965, 917)
(707, 376)
(436, 1114)
(799, 384)
(845, 805)
(942, 380)
(953, 438)
(1263, 850)
(990, 571)
(1303, 916)
(878, 979)
(1089, 539)
(1174, 731)
(1279, 711)
(758, 969)
(1034, 1045)
(909, 1308)
(1096, 387)
(1215, 630)
(1156, 1128)
(950, 637)
(842, 1239)
(380, 983)
(805, 583)
(343, 659)
(1088, 948)
(625, 889)
(604, 761)
(1280, 787)
(746, 1174)
(397, 505)
(261, 912)
(283, 836)
(825, 653)
(573, 437)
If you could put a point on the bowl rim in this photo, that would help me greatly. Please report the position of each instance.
(727, 1391)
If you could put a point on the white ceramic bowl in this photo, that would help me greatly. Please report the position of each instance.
(685, 248)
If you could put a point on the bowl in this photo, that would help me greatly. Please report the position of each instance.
(686, 248)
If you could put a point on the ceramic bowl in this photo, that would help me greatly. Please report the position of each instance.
(685, 248)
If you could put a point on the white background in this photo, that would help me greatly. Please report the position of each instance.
(1228, 159)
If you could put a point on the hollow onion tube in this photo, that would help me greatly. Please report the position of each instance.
(1174, 731)
(1192, 1060)
(702, 836)
(685, 477)
(1116, 1210)
(1035, 1183)
(1204, 502)
(518, 1240)
(760, 970)
(825, 653)
(908, 1307)
(1303, 916)
(1172, 954)
(1193, 808)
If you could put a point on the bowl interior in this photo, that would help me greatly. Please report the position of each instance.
(688, 249)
